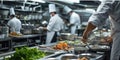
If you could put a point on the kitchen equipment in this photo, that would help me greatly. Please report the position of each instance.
(79, 50)
(68, 57)
(37, 31)
(52, 59)
(68, 36)
(26, 8)
(40, 16)
(26, 31)
(88, 46)
(91, 56)
(101, 48)
(4, 12)
(27, 28)
(5, 31)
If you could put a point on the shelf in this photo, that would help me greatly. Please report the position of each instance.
(31, 43)
(20, 45)
(5, 39)
(4, 48)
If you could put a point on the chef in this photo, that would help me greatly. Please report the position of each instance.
(74, 20)
(54, 26)
(108, 8)
(14, 23)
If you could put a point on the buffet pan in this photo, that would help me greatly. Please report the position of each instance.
(100, 48)
(83, 56)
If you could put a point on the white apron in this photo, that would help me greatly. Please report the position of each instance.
(73, 29)
(50, 35)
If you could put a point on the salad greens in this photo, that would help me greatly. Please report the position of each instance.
(27, 53)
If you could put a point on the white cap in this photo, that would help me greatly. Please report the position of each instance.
(12, 12)
(67, 9)
(44, 22)
(52, 8)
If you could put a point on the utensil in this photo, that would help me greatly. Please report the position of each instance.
(88, 46)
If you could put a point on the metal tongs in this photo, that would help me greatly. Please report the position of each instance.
(87, 45)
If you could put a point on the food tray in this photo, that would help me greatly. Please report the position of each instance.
(99, 47)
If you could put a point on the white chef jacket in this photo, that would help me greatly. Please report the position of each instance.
(75, 19)
(15, 25)
(109, 8)
(55, 25)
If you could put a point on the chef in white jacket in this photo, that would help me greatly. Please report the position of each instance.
(74, 20)
(54, 26)
(14, 23)
(108, 8)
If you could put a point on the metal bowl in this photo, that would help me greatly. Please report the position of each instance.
(91, 56)
(68, 57)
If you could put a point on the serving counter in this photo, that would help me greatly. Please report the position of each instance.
(9, 43)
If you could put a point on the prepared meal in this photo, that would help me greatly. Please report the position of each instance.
(83, 58)
(61, 46)
(15, 34)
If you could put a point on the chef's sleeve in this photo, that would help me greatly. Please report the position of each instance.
(51, 24)
(10, 24)
(100, 16)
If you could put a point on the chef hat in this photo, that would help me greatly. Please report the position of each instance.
(44, 22)
(67, 9)
(52, 8)
(12, 12)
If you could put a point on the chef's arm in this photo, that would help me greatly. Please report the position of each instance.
(45, 28)
(42, 28)
(88, 29)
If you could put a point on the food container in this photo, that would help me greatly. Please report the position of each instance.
(100, 48)
(26, 31)
(51, 59)
(68, 57)
(37, 31)
(68, 36)
(91, 56)
(79, 50)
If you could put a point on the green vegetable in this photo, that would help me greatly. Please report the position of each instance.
(26, 53)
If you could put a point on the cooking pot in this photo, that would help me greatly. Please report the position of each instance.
(68, 36)
(37, 31)
(26, 31)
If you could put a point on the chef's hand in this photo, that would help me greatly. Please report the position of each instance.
(84, 40)
(39, 28)
(109, 39)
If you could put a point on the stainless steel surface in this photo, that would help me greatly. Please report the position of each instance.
(99, 47)
(5, 31)
(88, 46)
(37, 31)
(68, 57)
(91, 56)
(26, 31)
(68, 36)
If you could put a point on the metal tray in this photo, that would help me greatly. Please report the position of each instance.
(99, 47)
(68, 57)
(91, 56)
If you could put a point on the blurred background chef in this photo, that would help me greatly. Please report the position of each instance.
(54, 26)
(74, 20)
(14, 23)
